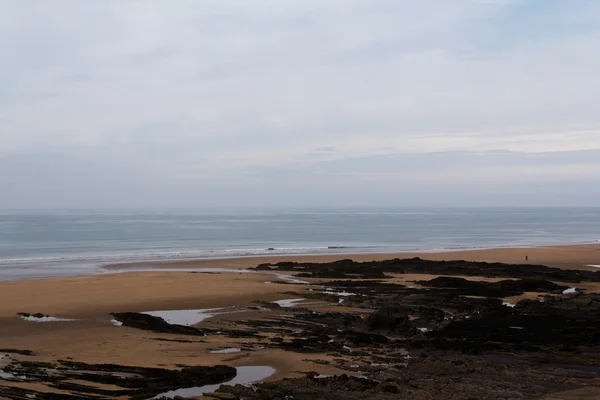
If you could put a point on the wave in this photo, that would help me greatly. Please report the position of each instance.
(149, 256)
(183, 255)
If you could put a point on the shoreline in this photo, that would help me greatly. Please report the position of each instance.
(50, 267)
(561, 256)
(568, 256)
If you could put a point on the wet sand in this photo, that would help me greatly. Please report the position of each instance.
(92, 338)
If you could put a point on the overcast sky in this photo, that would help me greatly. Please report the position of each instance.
(204, 103)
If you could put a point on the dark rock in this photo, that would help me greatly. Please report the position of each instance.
(387, 388)
(134, 382)
(363, 338)
(392, 318)
(27, 315)
(314, 344)
(154, 324)
(221, 396)
(503, 288)
(20, 352)
(269, 305)
(349, 268)
(558, 325)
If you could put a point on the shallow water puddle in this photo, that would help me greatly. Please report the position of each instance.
(226, 351)
(245, 376)
(290, 279)
(187, 317)
(6, 375)
(46, 318)
(570, 290)
(5, 360)
(342, 293)
(289, 303)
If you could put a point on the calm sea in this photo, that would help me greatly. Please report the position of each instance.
(44, 244)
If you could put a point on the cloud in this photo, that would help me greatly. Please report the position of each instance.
(218, 89)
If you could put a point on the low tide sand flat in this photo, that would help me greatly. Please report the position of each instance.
(297, 327)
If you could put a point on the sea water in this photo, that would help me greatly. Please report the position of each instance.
(36, 244)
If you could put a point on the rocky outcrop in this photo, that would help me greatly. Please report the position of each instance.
(134, 382)
(447, 378)
(505, 288)
(391, 318)
(376, 269)
(154, 324)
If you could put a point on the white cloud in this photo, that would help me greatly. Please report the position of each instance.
(187, 88)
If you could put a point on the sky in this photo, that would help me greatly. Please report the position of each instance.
(299, 103)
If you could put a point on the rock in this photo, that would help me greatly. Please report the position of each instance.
(392, 318)
(124, 381)
(364, 339)
(16, 351)
(154, 324)
(377, 269)
(269, 305)
(387, 388)
(503, 288)
(27, 315)
(221, 396)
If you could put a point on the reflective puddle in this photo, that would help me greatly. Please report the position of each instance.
(287, 303)
(6, 375)
(245, 376)
(290, 278)
(46, 318)
(342, 293)
(226, 351)
(190, 317)
(5, 360)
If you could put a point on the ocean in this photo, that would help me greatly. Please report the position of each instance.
(37, 244)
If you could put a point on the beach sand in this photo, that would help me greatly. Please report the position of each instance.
(89, 300)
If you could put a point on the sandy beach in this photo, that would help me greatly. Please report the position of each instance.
(88, 301)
